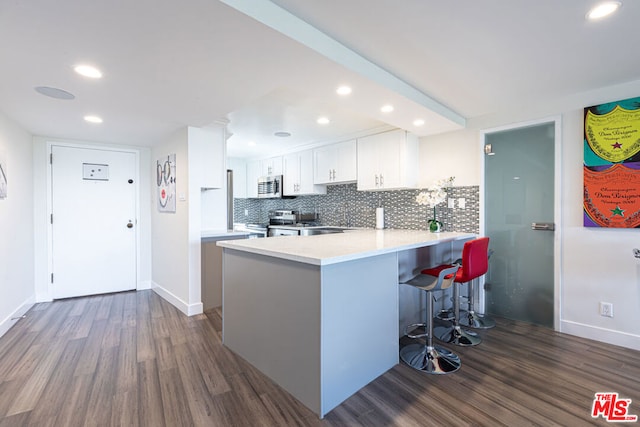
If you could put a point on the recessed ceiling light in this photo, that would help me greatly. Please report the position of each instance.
(323, 120)
(343, 90)
(251, 144)
(88, 71)
(387, 108)
(603, 9)
(282, 134)
(418, 122)
(54, 92)
(93, 119)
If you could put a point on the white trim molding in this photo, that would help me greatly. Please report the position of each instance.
(17, 314)
(186, 308)
(610, 336)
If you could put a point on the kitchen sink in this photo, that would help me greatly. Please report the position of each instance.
(320, 230)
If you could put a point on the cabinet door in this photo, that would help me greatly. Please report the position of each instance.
(346, 162)
(324, 164)
(272, 166)
(305, 175)
(368, 173)
(291, 174)
(389, 161)
(254, 171)
(207, 156)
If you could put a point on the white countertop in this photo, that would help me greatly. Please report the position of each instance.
(339, 247)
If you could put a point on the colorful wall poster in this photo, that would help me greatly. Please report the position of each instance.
(612, 164)
(166, 182)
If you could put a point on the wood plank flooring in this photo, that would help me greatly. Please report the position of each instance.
(132, 359)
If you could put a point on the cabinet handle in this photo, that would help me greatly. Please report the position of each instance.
(377, 181)
(381, 180)
(329, 174)
(334, 174)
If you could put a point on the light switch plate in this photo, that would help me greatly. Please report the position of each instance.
(462, 203)
(450, 203)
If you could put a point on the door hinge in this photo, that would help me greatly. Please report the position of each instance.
(51, 218)
(51, 277)
(51, 158)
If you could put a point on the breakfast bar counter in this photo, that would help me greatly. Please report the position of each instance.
(319, 314)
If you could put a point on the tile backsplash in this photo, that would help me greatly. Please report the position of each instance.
(344, 206)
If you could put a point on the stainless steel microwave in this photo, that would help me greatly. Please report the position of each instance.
(270, 187)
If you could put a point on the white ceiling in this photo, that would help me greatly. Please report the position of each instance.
(168, 64)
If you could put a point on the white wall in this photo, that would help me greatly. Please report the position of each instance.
(177, 236)
(170, 237)
(16, 224)
(595, 264)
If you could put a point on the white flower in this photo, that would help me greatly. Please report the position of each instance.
(435, 194)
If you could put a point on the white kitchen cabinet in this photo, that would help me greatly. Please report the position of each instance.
(388, 161)
(335, 163)
(254, 171)
(207, 156)
(272, 166)
(298, 175)
(258, 168)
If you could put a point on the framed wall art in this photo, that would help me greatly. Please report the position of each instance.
(611, 168)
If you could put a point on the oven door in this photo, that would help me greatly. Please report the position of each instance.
(275, 231)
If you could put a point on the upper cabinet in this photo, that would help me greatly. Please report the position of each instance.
(298, 175)
(335, 163)
(206, 147)
(388, 161)
(272, 166)
(258, 168)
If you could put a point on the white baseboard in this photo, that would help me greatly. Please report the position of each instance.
(11, 320)
(609, 336)
(188, 309)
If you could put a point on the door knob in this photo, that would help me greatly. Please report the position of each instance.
(130, 224)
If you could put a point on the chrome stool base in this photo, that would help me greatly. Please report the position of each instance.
(430, 359)
(454, 334)
(475, 320)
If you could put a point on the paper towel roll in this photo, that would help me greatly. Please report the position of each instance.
(379, 218)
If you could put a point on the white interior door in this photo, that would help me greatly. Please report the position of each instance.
(93, 221)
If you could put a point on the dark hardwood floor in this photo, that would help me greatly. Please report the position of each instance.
(132, 359)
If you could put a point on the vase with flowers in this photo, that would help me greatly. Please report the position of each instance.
(433, 196)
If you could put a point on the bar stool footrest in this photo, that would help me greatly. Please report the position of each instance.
(431, 360)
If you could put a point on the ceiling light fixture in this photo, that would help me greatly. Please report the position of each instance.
(93, 119)
(323, 120)
(54, 92)
(251, 144)
(343, 90)
(603, 9)
(88, 71)
(418, 122)
(387, 108)
(282, 134)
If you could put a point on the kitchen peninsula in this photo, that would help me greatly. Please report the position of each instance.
(320, 314)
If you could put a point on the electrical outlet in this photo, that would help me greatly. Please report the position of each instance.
(606, 309)
(462, 203)
(450, 203)
(246, 212)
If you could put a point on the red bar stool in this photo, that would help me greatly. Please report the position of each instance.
(428, 357)
(474, 264)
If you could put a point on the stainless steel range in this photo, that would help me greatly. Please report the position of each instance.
(293, 223)
(288, 222)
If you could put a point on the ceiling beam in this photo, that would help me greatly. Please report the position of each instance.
(295, 28)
